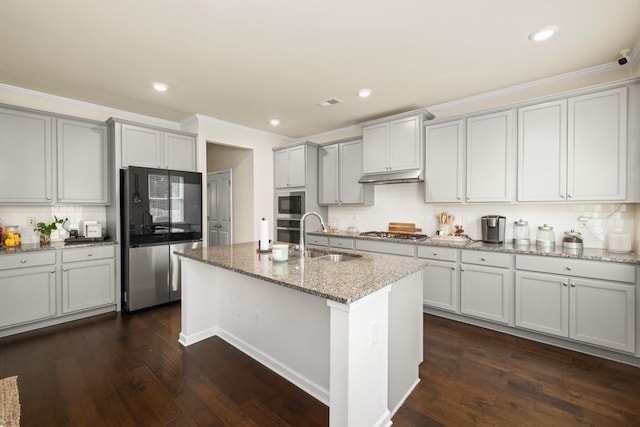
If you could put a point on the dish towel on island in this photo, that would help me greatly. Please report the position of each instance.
(9, 402)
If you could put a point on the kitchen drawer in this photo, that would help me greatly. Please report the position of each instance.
(341, 242)
(575, 267)
(31, 259)
(385, 247)
(316, 240)
(435, 252)
(88, 253)
(494, 259)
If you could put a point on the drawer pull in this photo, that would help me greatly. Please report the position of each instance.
(23, 261)
(569, 268)
(482, 259)
(89, 254)
(435, 254)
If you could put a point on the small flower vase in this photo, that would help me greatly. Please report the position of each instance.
(45, 239)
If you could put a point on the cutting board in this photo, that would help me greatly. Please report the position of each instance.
(403, 228)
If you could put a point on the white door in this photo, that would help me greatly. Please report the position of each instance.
(219, 209)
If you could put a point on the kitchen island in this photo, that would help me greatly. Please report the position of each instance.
(349, 333)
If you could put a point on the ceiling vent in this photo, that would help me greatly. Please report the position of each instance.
(329, 102)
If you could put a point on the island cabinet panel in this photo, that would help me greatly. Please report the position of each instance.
(27, 295)
(83, 162)
(26, 144)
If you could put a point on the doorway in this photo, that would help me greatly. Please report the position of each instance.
(219, 207)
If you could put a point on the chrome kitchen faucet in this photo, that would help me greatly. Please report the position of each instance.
(324, 228)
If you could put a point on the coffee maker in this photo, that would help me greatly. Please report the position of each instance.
(493, 228)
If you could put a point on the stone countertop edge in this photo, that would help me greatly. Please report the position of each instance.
(344, 282)
(591, 254)
(35, 247)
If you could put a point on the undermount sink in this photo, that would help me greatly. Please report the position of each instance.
(329, 256)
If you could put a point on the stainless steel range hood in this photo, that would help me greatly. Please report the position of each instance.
(412, 175)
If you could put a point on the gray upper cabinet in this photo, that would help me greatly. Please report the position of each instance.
(290, 167)
(490, 161)
(26, 144)
(393, 145)
(83, 162)
(470, 160)
(444, 171)
(156, 148)
(574, 149)
(340, 167)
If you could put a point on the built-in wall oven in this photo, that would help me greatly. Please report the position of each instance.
(289, 210)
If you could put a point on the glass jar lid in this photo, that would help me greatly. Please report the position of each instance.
(521, 222)
(545, 227)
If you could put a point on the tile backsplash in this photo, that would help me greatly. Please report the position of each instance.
(405, 203)
(17, 215)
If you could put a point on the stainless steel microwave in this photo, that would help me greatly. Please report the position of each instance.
(290, 205)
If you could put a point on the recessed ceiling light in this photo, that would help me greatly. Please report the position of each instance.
(543, 33)
(160, 87)
(274, 122)
(363, 93)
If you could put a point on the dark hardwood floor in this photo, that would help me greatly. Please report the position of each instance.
(129, 370)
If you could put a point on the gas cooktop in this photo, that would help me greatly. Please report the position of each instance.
(403, 236)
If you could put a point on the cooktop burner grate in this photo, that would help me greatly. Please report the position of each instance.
(387, 235)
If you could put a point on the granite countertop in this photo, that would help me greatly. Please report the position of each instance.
(344, 282)
(592, 254)
(35, 247)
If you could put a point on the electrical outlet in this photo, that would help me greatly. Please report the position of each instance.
(31, 221)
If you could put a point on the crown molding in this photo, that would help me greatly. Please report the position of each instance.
(106, 111)
(598, 69)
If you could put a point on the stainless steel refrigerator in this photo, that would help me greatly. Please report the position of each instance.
(161, 212)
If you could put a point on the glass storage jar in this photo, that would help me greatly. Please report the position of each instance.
(521, 233)
(546, 237)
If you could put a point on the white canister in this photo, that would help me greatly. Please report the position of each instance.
(620, 242)
(280, 252)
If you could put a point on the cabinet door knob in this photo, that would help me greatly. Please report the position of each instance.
(53, 271)
(435, 254)
(89, 254)
(569, 195)
(65, 269)
(569, 268)
(564, 196)
(23, 261)
(453, 268)
(573, 285)
(564, 283)
(482, 259)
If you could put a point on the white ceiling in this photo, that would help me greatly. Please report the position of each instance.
(247, 61)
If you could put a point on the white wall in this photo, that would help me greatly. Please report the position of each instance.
(220, 132)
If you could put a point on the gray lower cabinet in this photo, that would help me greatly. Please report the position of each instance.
(486, 286)
(46, 287)
(27, 289)
(553, 299)
(440, 278)
(26, 144)
(88, 278)
(341, 242)
(83, 162)
(385, 247)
